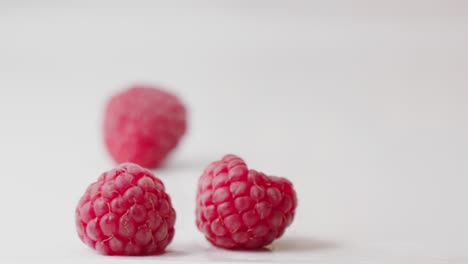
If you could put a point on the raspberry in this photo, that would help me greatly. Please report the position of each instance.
(238, 208)
(142, 125)
(126, 212)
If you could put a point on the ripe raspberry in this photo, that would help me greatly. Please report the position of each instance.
(239, 208)
(126, 212)
(142, 125)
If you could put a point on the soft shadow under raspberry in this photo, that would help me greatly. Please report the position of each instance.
(301, 244)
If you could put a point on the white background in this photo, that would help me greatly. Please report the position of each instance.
(363, 106)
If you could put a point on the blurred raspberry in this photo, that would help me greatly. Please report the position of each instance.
(238, 208)
(126, 212)
(143, 124)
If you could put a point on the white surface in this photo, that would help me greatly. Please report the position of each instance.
(362, 105)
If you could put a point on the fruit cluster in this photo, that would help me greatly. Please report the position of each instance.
(127, 211)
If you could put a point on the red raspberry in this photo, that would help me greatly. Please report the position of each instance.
(238, 208)
(126, 212)
(142, 125)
